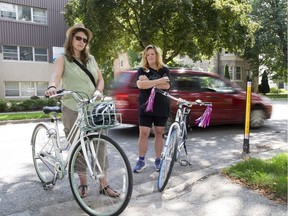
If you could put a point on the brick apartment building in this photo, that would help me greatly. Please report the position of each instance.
(30, 34)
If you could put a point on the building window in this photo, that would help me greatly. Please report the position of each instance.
(41, 87)
(8, 11)
(121, 60)
(25, 89)
(10, 52)
(40, 15)
(25, 53)
(231, 72)
(41, 54)
(238, 73)
(12, 89)
(23, 13)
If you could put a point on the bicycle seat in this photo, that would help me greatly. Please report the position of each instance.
(49, 109)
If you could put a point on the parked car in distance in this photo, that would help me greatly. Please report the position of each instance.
(228, 99)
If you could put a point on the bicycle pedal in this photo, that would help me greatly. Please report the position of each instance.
(184, 162)
(48, 186)
(164, 136)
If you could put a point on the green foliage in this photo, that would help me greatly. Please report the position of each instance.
(268, 174)
(134, 58)
(197, 28)
(270, 48)
(25, 105)
(3, 105)
(273, 90)
(264, 86)
(22, 116)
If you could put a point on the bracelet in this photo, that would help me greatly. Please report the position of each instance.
(51, 87)
(99, 90)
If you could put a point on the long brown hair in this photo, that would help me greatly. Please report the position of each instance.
(159, 62)
(69, 51)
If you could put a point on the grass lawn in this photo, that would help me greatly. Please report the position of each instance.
(269, 177)
(273, 96)
(21, 116)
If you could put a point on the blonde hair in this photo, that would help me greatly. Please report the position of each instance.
(69, 51)
(159, 62)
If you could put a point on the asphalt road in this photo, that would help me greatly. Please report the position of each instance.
(21, 193)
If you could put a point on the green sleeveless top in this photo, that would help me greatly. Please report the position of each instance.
(75, 79)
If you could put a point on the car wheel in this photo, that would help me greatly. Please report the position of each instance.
(257, 118)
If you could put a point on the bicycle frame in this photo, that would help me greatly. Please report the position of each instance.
(177, 131)
(180, 123)
(75, 135)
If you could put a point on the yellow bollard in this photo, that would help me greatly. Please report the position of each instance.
(247, 118)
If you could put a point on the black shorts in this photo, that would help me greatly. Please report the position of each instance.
(149, 120)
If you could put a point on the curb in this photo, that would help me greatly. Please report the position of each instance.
(176, 187)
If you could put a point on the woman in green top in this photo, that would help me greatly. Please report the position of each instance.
(74, 78)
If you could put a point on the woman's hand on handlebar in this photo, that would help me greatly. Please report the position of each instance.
(97, 95)
(50, 91)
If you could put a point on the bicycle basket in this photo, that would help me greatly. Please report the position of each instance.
(102, 115)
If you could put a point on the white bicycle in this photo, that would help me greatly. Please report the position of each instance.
(89, 152)
(176, 138)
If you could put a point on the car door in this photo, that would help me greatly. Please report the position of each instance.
(186, 86)
(228, 104)
(211, 89)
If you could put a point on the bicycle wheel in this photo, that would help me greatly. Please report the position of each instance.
(114, 166)
(168, 159)
(43, 153)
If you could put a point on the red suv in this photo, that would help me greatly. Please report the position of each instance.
(228, 99)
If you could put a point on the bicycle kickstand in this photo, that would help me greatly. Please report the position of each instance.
(185, 162)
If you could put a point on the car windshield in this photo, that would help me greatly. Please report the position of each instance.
(214, 84)
(196, 83)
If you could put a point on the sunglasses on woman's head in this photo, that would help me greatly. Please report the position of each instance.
(150, 46)
(78, 38)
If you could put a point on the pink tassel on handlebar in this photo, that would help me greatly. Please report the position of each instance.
(149, 104)
(204, 120)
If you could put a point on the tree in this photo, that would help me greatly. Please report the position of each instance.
(270, 48)
(264, 86)
(227, 75)
(197, 28)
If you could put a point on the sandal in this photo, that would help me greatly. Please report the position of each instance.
(105, 191)
(83, 190)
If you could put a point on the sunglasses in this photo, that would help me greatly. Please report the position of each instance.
(150, 46)
(78, 38)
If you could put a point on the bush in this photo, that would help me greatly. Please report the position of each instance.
(273, 90)
(276, 90)
(34, 97)
(3, 106)
(25, 105)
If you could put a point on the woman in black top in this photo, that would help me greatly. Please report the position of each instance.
(153, 73)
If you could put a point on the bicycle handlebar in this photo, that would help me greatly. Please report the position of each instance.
(76, 96)
(183, 101)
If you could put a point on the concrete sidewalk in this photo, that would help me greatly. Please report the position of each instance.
(201, 193)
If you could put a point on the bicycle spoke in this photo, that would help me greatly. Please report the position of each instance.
(43, 154)
(168, 159)
(115, 169)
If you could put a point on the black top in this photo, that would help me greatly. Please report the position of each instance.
(161, 106)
